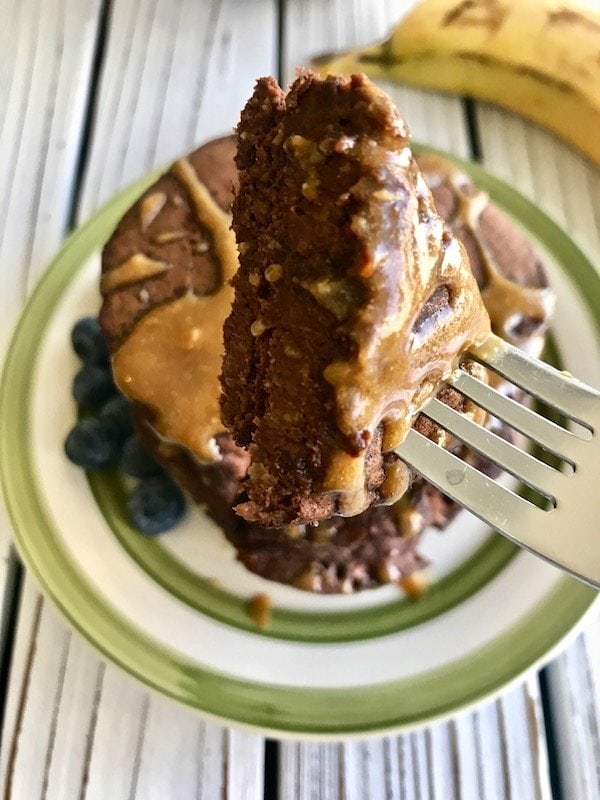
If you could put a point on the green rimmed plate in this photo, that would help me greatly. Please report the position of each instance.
(328, 666)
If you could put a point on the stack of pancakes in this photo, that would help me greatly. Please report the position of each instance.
(166, 294)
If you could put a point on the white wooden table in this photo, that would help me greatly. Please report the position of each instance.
(93, 93)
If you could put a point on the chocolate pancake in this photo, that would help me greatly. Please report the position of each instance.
(342, 554)
(353, 301)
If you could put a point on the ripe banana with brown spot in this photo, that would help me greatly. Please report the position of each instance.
(540, 58)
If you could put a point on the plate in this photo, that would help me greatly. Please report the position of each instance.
(171, 611)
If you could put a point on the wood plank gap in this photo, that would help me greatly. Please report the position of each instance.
(89, 745)
(472, 128)
(591, 716)
(158, 114)
(8, 626)
(415, 765)
(57, 698)
(225, 756)
(271, 770)
(430, 771)
(7, 79)
(280, 17)
(138, 748)
(455, 757)
(387, 768)
(502, 729)
(120, 69)
(403, 776)
(341, 760)
(556, 783)
(13, 158)
(207, 48)
(12, 756)
(45, 144)
(89, 117)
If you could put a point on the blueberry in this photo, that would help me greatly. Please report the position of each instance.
(92, 386)
(116, 414)
(88, 342)
(137, 460)
(155, 505)
(90, 445)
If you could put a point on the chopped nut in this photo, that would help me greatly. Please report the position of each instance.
(475, 369)
(345, 143)
(254, 279)
(259, 608)
(193, 337)
(309, 189)
(305, 150)
(273, 272)
(258, 327)
(243, 248)
(295, 531)
(339, 297)
(309, 580)
(387, 571)
(290, 351)
(326, 146)
(169, 236)
(136, 268)
(440, 437)
(200, 247)
(150, 208)
(410, 523)
(415, 585)
(383, 194)
(144, 295)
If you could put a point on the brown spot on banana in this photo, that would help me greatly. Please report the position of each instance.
(484, 13)
(567, 16)
(518, 69)
(388, 59)
(383, 56)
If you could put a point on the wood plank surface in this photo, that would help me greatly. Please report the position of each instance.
(173, 73)
(43, 92)
(482, 755)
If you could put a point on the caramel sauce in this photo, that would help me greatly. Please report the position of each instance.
(396, 369)
(507, 302)
(172, 359)
(260, 609)
(172, 366)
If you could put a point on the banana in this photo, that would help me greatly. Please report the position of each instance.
(540, 58)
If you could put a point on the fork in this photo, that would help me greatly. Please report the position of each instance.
(566, 532)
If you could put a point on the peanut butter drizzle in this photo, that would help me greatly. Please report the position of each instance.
(136, 268)
(172, 360)
(507, 302)
(397, 369)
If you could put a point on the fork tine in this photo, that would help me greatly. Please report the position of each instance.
(507, 456)
(546, 433)
(566, 394)
(499, 507)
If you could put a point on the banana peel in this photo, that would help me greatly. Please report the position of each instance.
(540, 58)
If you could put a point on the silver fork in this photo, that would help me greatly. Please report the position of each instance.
(567, 531)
